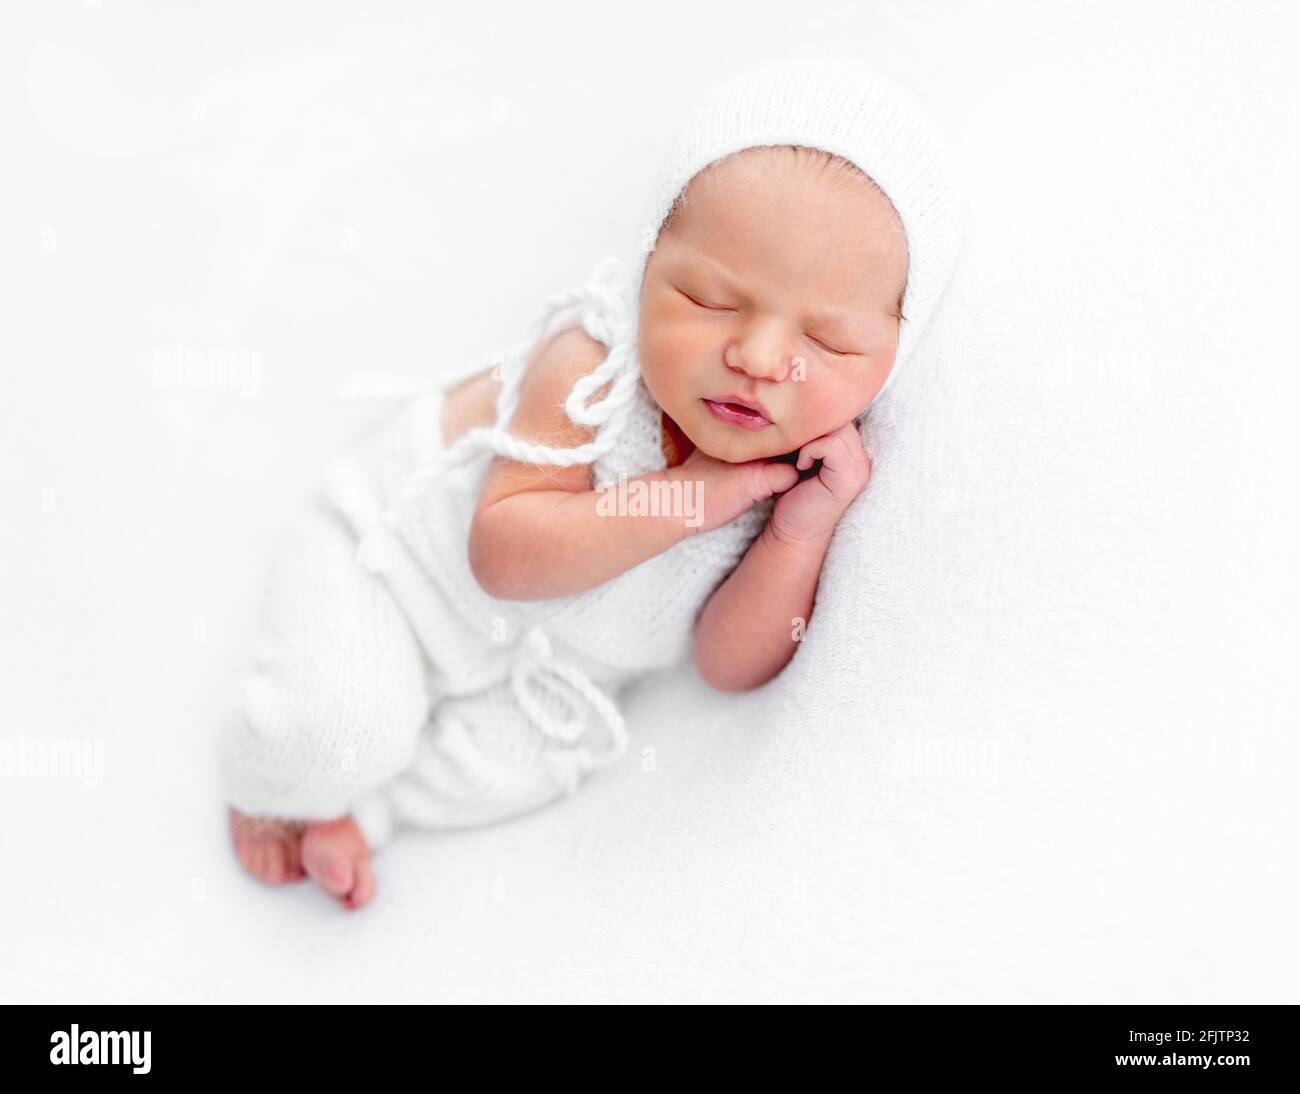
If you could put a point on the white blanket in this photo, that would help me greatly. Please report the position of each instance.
(1040, 742)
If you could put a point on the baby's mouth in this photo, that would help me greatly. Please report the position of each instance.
(735, 414)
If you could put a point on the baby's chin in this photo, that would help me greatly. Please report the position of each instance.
(756, 446)
(744, 449)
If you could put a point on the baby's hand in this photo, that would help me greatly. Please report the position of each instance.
(809, 511)
(729, 489)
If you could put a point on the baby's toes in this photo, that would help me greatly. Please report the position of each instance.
(254, 856)
(269, 850)
(282, 861)
(330, 866)
(331, 871)
(363, 885)
(336, 857)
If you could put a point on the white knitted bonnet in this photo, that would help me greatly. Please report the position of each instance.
(824, 104)
(841, 108)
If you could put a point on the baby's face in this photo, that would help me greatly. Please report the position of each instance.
(779, 283)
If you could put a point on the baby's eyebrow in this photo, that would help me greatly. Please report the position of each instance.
(847, 320)
(850, 322)
(700, 256)
(833, 316)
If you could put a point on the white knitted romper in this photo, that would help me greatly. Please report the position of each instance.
(411, 696)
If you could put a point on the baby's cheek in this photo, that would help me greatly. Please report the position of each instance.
(668, 351)
(824, 402)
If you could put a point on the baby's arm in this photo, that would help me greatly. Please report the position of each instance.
(544, 543)
(749, 628)
(536, 533)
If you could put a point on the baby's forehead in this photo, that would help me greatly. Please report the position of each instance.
(789, 216)
(770, 165)
(782, 179)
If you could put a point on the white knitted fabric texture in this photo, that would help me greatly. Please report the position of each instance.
(405, 694)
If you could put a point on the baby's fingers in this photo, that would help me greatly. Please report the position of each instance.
(839, 448)
(776, 478)
(819, 449)
(810, 453)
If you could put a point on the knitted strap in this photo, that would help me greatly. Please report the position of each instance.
(605, 319)
(538, 678)
(534, 667)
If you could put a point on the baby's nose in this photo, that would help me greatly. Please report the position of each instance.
(764, 353)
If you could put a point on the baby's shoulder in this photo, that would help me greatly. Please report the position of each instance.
(560, 360)
(555, 365)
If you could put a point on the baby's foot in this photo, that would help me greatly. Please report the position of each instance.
(267, 847)
(336, 856)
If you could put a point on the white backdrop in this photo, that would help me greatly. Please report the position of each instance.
(1039, 743)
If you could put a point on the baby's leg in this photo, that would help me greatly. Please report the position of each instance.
(480, 760)
(333, 706)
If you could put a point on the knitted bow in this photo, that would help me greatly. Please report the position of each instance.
(535, 666)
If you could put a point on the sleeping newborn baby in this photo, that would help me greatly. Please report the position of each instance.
(657, 467)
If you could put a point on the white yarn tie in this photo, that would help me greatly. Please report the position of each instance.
(535, 673)
(607, 322)
(536, 664)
